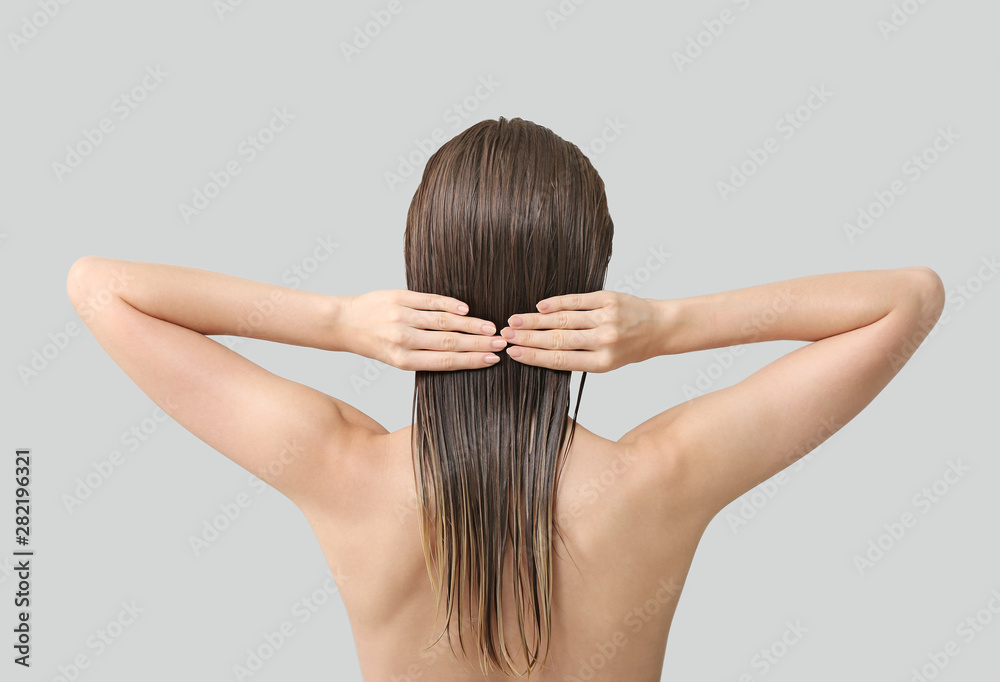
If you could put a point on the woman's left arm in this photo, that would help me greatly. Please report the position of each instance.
(152, 319)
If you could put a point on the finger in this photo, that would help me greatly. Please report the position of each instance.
(552, 340)
(445, 321)
(588, 301)
(556, 320)
(436, 361)
(421, 339)
(568, 360)
(422, 301)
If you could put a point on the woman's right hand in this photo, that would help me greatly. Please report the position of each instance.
(593, 332)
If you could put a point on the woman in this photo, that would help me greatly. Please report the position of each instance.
(496, 536)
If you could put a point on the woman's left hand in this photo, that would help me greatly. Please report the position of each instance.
(416, 331)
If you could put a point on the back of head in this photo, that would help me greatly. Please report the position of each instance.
(507, 213)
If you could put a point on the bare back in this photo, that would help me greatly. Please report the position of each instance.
(617, 580)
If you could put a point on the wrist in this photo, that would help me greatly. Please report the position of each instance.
(337, 330)
(665, 320)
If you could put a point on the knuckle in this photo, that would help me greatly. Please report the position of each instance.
(447, 342)
(558, 359)
(441, 319)
(398, 359)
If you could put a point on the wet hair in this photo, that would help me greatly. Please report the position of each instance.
(507, 213)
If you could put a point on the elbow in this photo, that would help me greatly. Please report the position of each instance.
(928, 289)
(79, 275)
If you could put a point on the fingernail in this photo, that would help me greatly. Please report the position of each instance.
(543, 306)
(514, 352)
(489, 329)
(516, 321)
(463, 308)
(499, 343)
(491, 358)
(508, 333)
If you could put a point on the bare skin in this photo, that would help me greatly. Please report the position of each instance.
(628, 547)
(615, 603)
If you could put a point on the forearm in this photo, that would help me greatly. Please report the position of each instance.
(208, 302)
(802, 309)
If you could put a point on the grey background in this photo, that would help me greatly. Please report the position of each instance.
(680, 130)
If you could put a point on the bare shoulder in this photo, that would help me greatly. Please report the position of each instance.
(664, 459)
(633, 486)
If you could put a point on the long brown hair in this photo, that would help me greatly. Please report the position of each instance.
(507, 213)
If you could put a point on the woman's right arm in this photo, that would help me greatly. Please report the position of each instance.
(864, 327)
